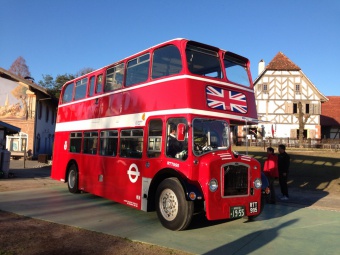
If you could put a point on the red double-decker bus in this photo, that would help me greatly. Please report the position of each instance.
(152, 131)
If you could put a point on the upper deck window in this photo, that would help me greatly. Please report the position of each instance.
(99, 83)
(91, 92)
(80, 89)
(137, 70)
(114, 78)
(236, 70)
(166, 61)
(203, 61)
(68, 93)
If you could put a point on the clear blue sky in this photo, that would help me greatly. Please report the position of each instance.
(64, 36)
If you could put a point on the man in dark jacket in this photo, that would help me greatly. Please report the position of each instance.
(174, 146)
(283, 166)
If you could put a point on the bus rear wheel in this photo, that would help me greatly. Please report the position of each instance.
(72, 179)
(173, 210)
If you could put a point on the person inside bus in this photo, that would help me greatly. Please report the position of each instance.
(174, 146)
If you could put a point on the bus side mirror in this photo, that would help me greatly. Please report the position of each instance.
(181, 132)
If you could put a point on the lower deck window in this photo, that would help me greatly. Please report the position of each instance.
(75, 142)
(90, 142)
(108, 143)
(131, 143)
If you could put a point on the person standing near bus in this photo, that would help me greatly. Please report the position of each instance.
(270, 169)
(283, 166)
(174, 146)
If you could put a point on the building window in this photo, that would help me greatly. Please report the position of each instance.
(297, 88)
(39, 110)
(307, 109)
(52, 117)
(295, 108)
(265, 88)
(47, 113)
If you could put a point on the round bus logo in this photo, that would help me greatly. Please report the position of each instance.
(133, 173)
(65, 145)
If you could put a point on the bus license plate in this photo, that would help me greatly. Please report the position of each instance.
(237, 211)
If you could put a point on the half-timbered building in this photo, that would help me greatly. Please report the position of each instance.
(286, 97)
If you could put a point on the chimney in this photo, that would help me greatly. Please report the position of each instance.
(29, 79)
(261, 66)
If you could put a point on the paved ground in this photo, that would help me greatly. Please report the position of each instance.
(39, 173)
(308, 224)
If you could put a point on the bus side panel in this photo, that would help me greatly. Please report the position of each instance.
(91, 174)
(122, 180)
(60, 155)
(88, 109)
(143, 99)
(110, 105)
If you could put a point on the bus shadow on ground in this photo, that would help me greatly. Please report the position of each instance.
(246, 244)
(270, 211)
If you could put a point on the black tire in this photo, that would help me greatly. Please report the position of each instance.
(72, 179)
(173, 210)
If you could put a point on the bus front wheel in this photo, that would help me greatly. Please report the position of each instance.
(72, 179)
(173, 210)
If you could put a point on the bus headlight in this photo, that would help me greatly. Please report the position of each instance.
(213, 185)
(257, 183)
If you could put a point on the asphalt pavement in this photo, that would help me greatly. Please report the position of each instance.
(20, 169)
(308, 223)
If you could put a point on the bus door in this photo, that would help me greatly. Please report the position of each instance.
(154, 145)
(90, 164)
(108, 157)
(127, 181)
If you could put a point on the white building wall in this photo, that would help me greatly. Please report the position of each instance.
(275, 106)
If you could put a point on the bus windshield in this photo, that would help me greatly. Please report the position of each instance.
(236, 70)
(210, 135)
(203, 61)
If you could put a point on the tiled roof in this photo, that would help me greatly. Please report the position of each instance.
(281, 62)
(330, 112)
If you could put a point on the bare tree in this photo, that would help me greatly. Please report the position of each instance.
(84, 71)
(20, 68)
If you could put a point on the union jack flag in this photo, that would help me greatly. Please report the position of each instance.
(227, 100)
